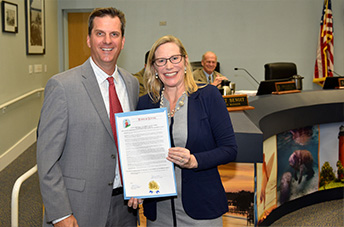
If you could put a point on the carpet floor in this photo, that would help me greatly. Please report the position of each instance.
(329, 213)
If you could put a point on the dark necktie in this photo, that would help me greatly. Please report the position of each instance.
(210, 80)
(115, 107)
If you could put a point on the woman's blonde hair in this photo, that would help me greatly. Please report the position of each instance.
(154, 85)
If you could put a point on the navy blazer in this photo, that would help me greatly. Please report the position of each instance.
(212, 141)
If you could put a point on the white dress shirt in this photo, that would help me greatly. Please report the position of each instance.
(122, 94)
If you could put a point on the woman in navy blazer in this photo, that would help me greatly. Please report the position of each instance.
(198, 113)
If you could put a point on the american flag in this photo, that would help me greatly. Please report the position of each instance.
(324, 62)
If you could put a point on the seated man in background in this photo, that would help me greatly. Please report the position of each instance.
(207, 74)
(139, 76)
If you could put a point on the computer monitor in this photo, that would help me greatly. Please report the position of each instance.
(268, 86)
(331, 82)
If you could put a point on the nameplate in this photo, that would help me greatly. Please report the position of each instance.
(236, 100)
(341, 83)
(285, 88)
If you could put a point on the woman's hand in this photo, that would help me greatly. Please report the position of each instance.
(182, 157)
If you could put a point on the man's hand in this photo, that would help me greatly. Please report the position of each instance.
(218, 80)
(68, 222)
(134, 202)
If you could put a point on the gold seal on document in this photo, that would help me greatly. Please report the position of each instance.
(153, 186)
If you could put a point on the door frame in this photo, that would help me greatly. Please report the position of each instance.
(63, 36)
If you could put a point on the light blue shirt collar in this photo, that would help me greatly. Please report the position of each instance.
(208, 75)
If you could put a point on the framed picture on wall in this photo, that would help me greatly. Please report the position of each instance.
(35, 26)
(9, 17)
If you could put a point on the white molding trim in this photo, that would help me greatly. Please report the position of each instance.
(17, 149)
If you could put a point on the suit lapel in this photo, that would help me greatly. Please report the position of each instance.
(195, 113)
(204, 77)
(91, 85)
(129, 87)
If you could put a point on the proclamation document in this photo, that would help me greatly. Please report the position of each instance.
(143, 143)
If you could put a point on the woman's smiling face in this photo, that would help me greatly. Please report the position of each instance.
(171, 74)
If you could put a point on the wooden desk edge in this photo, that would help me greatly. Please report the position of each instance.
(285, 92)
(239, 108)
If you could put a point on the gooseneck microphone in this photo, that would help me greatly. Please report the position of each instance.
(247, 73)
(335, 72)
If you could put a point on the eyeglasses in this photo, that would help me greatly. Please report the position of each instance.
(175, 59)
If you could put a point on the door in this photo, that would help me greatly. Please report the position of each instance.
(78, 50)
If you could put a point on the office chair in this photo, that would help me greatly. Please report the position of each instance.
(197, 64)
(279, 70)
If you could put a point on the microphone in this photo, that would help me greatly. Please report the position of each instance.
(247, 73)
(335, 72)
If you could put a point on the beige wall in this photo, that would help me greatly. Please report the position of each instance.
(18, 121)
(243, 33)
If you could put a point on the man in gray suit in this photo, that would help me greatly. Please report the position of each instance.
(76, 151)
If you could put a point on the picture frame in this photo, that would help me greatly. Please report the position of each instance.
(35, 26)
(9, 12)
(341, 83)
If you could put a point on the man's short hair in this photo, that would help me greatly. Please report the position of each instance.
(102, 12)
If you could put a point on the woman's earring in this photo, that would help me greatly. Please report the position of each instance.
(185, 70)
(156, 76)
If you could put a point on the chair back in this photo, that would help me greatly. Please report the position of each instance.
(195, 65)
(279, 70)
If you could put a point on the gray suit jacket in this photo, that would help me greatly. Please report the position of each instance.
(76, 151)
